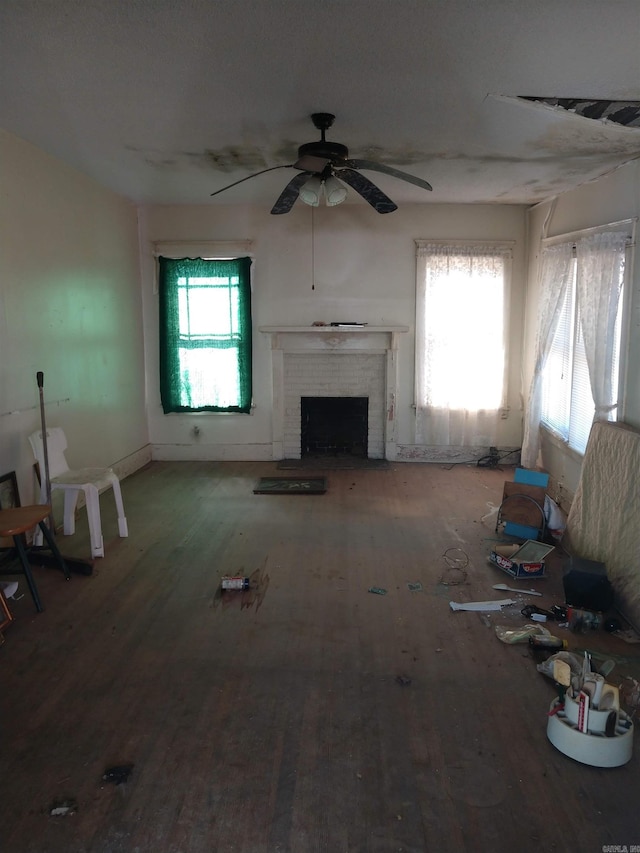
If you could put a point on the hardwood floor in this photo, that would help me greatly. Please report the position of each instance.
(306, 714)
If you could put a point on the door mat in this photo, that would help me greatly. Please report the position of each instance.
(291, 486)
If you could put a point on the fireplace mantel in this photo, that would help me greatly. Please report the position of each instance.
(359, 338)
(346, 328)
(305, 341)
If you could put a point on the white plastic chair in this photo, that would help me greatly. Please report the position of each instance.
(91, 481)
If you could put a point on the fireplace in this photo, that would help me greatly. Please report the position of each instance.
(334, 426)
(329, 362)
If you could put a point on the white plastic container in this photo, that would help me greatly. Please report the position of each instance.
(592, 747)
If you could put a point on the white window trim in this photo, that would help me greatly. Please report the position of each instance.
(210, 250)
(504, 247)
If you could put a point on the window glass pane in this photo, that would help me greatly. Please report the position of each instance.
(556, 382)
(208, 309)
(582, 405)
(209, 375)
(615, 361)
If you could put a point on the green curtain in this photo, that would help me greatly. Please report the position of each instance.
(205, 335)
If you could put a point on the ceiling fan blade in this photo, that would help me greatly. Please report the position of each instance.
(389, 170)
(311, 163)
(290, 193)
(369, 192)
(255, 175)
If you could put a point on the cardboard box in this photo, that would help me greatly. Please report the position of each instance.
(526, 562)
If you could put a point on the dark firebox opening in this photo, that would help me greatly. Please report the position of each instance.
(334, 426)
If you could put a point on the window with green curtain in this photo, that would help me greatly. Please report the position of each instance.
(205, 335)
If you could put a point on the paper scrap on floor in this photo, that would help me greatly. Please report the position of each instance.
(481, 605)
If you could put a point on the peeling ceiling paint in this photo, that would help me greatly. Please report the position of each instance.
(626, 113)
(418, 86)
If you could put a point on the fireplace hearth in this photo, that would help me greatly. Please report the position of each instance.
(334, 426)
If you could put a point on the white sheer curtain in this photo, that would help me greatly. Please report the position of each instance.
(600, 260)
(555, 274)
(460, 342)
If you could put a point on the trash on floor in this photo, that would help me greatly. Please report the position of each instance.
(508, 634)
(503, 586)
(403, 680)
(9, 589)
(627, 634)
(119, 774)
(377, 590)
(537, 614)
(585, 720)
(546, 642)
(581, 620)
(630, 689)
(63, 808)
(526, 562)
(235, 582)
(457, 561)
(456, 558)
(481, 605)
(414, 587)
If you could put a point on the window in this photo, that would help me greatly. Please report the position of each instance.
(461, 301)
(205, 335)
(568, 408)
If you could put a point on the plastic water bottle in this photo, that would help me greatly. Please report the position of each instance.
(583, 620)
(547, 641)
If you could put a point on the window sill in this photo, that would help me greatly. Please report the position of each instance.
(559, 443)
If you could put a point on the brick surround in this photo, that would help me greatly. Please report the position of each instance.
(333, 375)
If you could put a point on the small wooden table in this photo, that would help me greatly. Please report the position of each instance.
(17, 521)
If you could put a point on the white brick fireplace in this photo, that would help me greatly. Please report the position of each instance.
(328, 361)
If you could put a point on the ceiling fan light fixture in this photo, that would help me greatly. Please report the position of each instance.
(311, 192)
(334, 191)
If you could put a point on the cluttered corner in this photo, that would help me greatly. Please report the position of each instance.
(574, 633)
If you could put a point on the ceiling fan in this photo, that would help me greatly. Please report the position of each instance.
(323, 165)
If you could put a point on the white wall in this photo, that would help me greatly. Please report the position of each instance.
(610, 199)
(70, 306)
(357, 266)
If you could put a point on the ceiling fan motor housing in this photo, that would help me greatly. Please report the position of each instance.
(327, 150)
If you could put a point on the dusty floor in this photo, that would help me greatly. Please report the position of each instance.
(307, 714)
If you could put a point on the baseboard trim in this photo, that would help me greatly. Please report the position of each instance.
(452, 454)
(133, 462)
(212, 452)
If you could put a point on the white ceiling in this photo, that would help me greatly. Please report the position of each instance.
(166, 101)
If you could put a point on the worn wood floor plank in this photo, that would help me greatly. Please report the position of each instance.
(307, 714)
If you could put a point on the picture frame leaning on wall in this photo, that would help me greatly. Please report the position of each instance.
(9, 498)
(5, 616)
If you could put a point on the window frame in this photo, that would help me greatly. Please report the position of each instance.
(622, 322)
(170, 333)
(488, 248)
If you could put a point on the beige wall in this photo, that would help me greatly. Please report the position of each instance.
(69, 306)
(363, 267)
